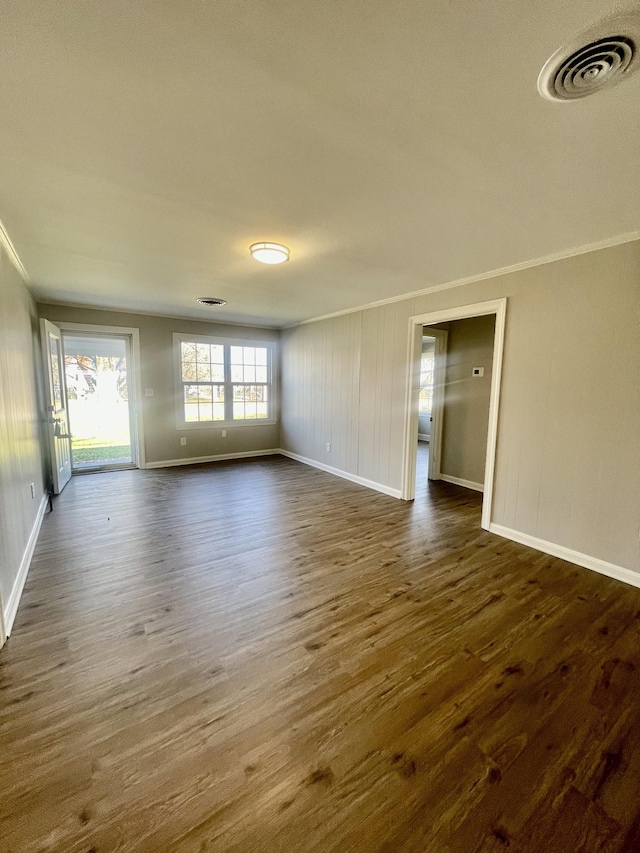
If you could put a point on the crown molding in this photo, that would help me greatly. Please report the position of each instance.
(10, 249)
(629, 237)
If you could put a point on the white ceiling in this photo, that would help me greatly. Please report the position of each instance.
(391, 145)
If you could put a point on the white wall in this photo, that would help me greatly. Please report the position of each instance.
(21, 457)
(568, 454)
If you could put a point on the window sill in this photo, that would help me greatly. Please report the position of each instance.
(226, 424)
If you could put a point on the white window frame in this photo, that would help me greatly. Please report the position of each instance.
(180, 337)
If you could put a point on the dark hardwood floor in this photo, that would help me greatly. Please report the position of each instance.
(257, 656)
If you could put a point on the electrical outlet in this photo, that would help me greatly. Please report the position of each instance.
(327, 447)
(148, 392)
(477, 371)
(33, 490)
(224, 433)
(183, 440)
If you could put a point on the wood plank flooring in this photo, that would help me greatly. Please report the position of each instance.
(257, 656)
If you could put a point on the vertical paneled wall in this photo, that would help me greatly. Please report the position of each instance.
(21, 458)
(325, 406)
(568, 455)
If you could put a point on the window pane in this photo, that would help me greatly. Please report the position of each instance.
(217, 372)
(237, 373)
(203, 403)
(249, 373)
(204, 373)
(254, 399)
(189, 373)
(205, 411)
(250, 393)
(249, 355)
(261, 355)
(217, 353)
(54, 349)
(261, 374)
(203, 352)
(190, 403)
(250, 411)
(427, 366)
(188, 351)
(236, 355)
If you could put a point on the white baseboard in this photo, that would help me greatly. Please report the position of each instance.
(338, 472)
(618, 573)
(220, 457)
(423, 436)
(13, 601)
(458, 481)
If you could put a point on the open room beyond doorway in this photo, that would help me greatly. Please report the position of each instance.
(453, 413)
(468, 423)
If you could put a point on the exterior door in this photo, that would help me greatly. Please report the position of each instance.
(57, 416)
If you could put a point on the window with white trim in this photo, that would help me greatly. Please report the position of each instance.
(223, 381)
(427, 367)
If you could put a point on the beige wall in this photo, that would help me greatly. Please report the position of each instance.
(466, 402)
(21, 458)
(161, 437)
(568, 454)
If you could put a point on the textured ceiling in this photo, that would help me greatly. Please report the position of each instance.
(392, 146)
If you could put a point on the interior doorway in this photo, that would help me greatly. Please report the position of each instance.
(430, 402)
(99, 390)
(417, 333)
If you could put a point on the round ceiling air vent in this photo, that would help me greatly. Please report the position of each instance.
(211, 301)
(600, 57)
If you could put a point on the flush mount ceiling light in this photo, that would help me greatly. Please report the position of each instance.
(211, 301)
(269, 253)
(597, 58)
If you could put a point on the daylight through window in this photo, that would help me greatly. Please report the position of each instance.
(427, 366)
(223, 382)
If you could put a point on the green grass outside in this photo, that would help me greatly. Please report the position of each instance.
(95, 450)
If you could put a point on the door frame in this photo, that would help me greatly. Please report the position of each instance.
(412, 389)
(136, 414)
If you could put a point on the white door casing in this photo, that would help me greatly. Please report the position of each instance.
(410, 447)
(57, 416)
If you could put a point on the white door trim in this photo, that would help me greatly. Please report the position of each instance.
(414, 341)
(136, 384)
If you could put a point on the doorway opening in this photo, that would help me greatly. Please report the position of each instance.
(99, 388)
(430, 402)
(430, 385)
